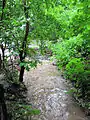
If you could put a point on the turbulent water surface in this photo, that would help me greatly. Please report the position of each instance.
(47, 92)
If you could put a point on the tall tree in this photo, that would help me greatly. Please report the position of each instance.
(24, 43)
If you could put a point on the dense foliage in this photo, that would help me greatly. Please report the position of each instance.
(73, 51)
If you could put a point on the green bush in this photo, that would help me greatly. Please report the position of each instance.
(84, 85)
(74, 68)
(80, 77)
(68, 49)
(73, 60)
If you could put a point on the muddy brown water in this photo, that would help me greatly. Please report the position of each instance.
(47, 92)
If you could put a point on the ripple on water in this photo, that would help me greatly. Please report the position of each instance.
(47, 92)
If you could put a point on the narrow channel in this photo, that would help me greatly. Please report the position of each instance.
(47, 92)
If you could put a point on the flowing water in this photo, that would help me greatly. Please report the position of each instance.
(47, 92)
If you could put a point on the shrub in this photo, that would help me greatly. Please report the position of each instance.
(68, 49)
(74, 68)
(76, 72)
(73, 59)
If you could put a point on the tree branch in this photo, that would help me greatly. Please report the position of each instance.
(3, 6)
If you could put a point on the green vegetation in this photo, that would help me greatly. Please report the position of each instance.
(63, 25)
(72, 52)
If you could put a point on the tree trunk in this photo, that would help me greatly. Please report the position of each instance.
(2, 14)
(21, 74)
(3, 53)
(3, 6)
(22, 67)
(0, 61)
(22, 54)
(3, 109)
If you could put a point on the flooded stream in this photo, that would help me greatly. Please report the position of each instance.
(47, 92)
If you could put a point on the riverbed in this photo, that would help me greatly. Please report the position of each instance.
(47, 91)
